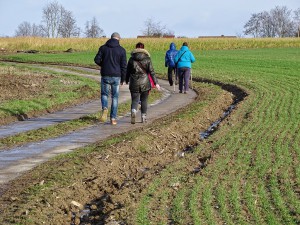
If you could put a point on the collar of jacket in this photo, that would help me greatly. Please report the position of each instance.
(140, 50)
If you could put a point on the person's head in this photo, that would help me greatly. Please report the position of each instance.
(185, 44)
(115, 35)
(139, 45)
(172, 45)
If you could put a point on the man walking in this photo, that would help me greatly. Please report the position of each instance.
(111, 57)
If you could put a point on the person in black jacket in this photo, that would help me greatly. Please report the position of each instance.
(139, 67)
(111, 57)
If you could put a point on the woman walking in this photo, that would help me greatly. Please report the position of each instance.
(184, 59)
(139, 68)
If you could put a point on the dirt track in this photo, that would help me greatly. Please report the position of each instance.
(110, 179)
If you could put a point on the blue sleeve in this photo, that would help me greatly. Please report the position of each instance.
(192, 57)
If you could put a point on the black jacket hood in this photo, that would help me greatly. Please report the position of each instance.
(112, 43)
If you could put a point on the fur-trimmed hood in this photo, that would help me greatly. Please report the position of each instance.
(140, 53)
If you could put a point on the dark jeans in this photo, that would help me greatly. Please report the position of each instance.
(143, 97)
(171, 71)
(184, 78)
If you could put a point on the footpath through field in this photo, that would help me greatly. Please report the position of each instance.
(15, 161)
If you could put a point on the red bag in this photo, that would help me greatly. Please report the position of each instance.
(151, 81)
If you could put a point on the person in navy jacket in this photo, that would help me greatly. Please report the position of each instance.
(170, 63)
(111, 57)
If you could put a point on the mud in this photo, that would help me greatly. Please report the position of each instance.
(104, 185)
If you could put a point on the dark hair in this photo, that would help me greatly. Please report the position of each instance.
(139, 45)
(185, 44)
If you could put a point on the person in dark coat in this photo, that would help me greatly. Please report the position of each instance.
(111, 57)
(139, 67)
(170, 63)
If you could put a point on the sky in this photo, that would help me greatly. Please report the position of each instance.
(189, 18)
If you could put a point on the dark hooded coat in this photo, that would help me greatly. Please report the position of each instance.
(138, 68)
(111, 57)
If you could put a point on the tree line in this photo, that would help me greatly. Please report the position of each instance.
(278, 22)
(60, 22)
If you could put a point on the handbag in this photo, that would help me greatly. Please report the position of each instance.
(149, 76)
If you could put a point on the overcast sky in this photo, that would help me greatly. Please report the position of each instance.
(190, 18)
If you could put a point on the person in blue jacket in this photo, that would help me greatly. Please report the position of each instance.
(169, 62)
(184, 59)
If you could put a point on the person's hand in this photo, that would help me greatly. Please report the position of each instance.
(157, 86)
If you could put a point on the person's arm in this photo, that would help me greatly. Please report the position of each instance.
(166, 60)
(129, 65)
(192, 58)
(152, 72)
(123, 67)
(98, 57)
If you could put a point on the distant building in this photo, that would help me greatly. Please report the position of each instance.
(222, 36)
(165, 36)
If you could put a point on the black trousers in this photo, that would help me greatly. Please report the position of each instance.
(143, 97)
(171, 70)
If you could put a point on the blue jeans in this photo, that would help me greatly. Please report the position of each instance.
(110, 85)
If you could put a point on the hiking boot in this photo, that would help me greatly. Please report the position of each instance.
(133, 114)
(144, 118)
(103, 117)
(113, 122)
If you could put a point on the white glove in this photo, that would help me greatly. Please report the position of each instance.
(158, 87)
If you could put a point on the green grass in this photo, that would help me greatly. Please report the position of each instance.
(55, 93)
(254, 177)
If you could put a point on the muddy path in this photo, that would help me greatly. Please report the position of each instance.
(105, 183)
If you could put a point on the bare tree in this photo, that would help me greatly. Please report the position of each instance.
(153, 28)
(267, 26)
(282, 21)
(37, 30)
(297, 21)
(24, 29)
(93, 30)
(253, 26)
(67, 26)
(276, 23)
(51, 19)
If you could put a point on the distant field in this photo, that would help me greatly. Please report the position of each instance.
(253, 175)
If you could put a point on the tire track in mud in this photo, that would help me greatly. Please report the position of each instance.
(110, 211)
(17, 160)
(114, 187)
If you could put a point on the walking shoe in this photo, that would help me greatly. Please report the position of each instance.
(144, 118)
(133, 114)
(103, 117)
(113, 122)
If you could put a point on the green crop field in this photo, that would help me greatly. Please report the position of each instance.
(253, 175)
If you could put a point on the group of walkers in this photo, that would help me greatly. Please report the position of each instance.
(139, 73)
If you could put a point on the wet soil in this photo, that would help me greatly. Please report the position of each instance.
(105, 185)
